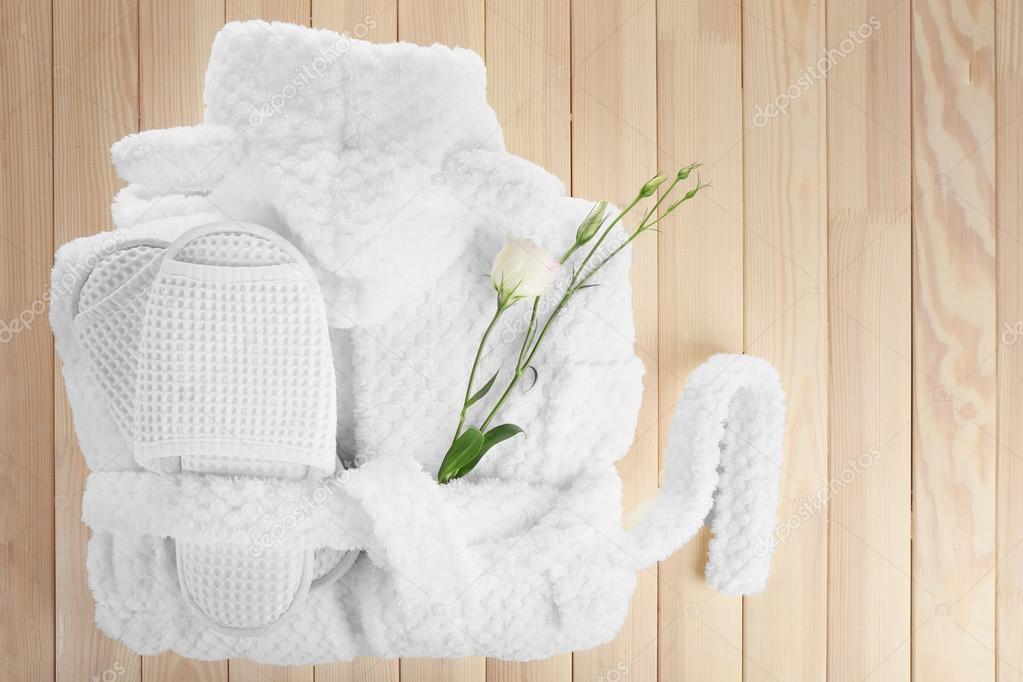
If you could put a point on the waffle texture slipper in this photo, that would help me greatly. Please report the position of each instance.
(109, 311)
(213, 355)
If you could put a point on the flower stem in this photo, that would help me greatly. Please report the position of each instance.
(577, 282)
(643, 226)
(475, 365)
(525, 359)
(522, 365)
(603, 236)
(529, 331)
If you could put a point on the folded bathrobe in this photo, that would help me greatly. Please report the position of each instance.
(386, 169)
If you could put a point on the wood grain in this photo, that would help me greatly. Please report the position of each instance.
(1008, 144)
(699, 312)
(376, 21)
(372, 20)
(529, 86)
(954, 336)
(865, 240)
(26, 359)
(174, 49)
(458, 23)
(869, 266)
(786, 321)
(614, 119)
(95, 103)
(292, 11)
(295, 12)
(529, 79)
(362, 669)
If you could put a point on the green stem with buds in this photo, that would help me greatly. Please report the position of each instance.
(526, 359)
(603, 236)
(580, 277)
(501, 307)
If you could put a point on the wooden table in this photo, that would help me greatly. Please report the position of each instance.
(863, 233)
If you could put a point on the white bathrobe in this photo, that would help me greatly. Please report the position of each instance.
(386, 168)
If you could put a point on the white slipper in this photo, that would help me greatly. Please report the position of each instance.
(213, 355)
(109, 308)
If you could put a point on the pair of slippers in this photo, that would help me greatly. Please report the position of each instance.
(213, 355)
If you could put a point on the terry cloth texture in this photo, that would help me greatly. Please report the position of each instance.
(213, 355)
(384, 166)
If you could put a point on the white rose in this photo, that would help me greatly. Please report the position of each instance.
(522, 270)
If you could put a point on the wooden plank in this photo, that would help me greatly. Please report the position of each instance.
(954, 337)
(95, 93)
(377, 21)
(458, 23)
(244, 670)
(372, 20)
(699, 48)
(292, 11)
(295, 12)
(786, 319)
(528, 55)
(869, 261)
(26, 360)
(529, 79)
(1009, 196)
(957, 58)
(443, 669)
(360, 670)
(174, 49)
(614, 114)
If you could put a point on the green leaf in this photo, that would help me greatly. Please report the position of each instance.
(498, 434)
(490, 439)
(483, 391)
(463, 451)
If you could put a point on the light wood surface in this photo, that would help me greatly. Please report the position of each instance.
(95, 101)
(529, 85)
(954, 337)
(786, 320)
(700, 295)
(871, 359)
(1009, 239)
(862, 233)
(27, 500)
(294, 12)
(172, 65)
(614, 132)
(458, 23)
